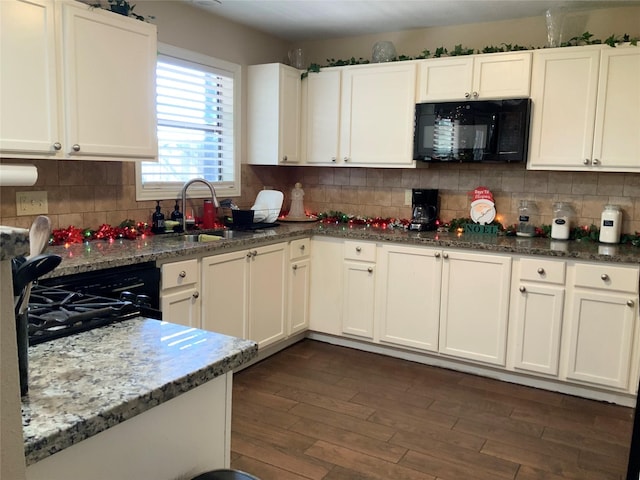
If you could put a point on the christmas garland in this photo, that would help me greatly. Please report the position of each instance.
(128, 229)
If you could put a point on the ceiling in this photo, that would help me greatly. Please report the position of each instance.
(298, 20)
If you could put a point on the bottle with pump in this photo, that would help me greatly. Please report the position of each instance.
(177, 216)
(157, 219)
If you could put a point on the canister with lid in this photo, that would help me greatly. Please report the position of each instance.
(561, 223)
(527, 213)
(610, 224)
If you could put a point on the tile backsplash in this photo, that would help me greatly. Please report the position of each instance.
(88, 194)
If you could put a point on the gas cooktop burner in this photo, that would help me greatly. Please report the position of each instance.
(55, 313)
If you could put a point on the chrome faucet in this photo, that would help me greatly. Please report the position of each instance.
(183, 193)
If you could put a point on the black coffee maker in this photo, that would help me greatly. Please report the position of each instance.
(424, 202)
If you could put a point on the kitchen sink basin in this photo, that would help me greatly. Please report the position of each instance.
(208, 236)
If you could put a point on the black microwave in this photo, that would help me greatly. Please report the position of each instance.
(474, 131)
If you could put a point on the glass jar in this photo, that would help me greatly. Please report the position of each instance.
(561, 223)
(610, 224)
(527, 217)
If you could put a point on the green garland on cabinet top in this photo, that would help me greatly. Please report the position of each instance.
(458, 50)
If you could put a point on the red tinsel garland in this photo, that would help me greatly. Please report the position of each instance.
(128, 229)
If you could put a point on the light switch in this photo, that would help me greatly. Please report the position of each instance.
(32, 203)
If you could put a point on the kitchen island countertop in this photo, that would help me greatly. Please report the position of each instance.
(84, 384)
(98, 255)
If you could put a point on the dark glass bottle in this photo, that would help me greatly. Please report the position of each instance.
(157, 220)
(177, 215)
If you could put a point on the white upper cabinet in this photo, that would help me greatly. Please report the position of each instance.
(109, 64)
(28, 81)
(321, 117)
(77, 82)
(475, 77)
(585, 104)
(273, 109)
(377, 110)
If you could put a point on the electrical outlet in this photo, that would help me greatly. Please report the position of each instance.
(32, 203)
(407, 197)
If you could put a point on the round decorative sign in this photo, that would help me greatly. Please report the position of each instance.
(483, 208)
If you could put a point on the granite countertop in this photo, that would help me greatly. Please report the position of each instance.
(97, 379)
(97, 255)
(13, 242)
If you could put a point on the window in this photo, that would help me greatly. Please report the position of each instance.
(197, 101)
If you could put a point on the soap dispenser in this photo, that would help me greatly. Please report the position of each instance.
(177, 216)
(157, 219)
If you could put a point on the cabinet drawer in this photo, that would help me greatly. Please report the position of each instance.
(178, 274)
(606, 277)
(299, 248)
(540, 270)
(363, 251)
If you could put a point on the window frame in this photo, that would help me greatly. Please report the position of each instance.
(198, 191)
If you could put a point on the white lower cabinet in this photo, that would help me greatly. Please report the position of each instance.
(474, 308)
(409, 281)
(244, 293)
(358, 277)
(602, 318)
(180, 293)
(538, 295)
(326, 295)
(299, 284)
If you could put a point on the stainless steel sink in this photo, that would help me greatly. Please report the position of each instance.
(207, 236)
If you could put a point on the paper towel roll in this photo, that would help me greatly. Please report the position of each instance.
(18, 175)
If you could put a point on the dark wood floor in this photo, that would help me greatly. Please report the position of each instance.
(318, 411)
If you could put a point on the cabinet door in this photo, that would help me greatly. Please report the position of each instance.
(409, 280)
(502, 75)
(537, 327)
(28, 92)
(267, 294)
(564, 86)
(359, 297)
(325, 306)
(298, 310)
(181, 306)
(617, 127)
(290, 116)
(445, 79)
(109, 64)
(474, 306)
(378, 103)
(601, 338)
(321, 117)
(225, 283)
(273, 119)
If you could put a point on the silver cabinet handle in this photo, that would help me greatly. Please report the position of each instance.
(76, 147)
(182, 274)
(284, 159)
(586, 161)
(370, 269)
(541, 271)
(294, 266)
(358, 249)
(333, 159)
(475, 94)
(522, 288)
(604, 277)
(249, 255)
(467, 95)
(445, 255)
(630, 303)
(254, 253)
(57, 146)
(596, 161)
(346, 159)
(437, 254)
(302, 247)
(196, 294)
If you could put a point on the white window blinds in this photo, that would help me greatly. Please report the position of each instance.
(196, 112)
